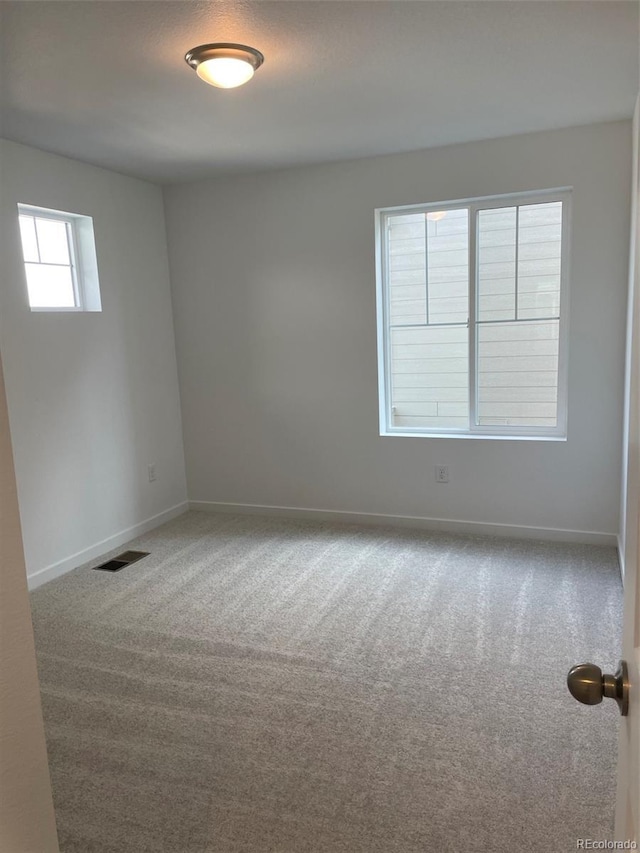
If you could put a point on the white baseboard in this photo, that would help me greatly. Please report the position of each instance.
(48, 573)
(468, 528)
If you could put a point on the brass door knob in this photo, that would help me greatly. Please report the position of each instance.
(588, 685)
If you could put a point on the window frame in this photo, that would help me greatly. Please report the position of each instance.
(70, 220)
(473, 205)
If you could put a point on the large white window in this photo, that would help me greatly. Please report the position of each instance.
(59, 260)
(472, 316)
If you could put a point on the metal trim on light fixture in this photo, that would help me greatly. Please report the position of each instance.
(225, 50)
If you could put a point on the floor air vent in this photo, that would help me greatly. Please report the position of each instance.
(121, 561)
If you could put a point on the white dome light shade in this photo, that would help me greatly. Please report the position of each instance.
(225, 72)
(224, 65)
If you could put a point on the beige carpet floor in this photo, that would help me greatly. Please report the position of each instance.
(268, 686)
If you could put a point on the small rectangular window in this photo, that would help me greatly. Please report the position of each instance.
(59, 260)
(472, 316)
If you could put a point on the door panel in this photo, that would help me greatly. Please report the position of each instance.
(628, 795)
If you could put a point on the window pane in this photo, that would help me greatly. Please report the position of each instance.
(407, 277)
(430, 377)
(497, 264)
(50, 286)
(518, 374)
(53, 242)
(448, 265)
(28, 235)
(539, 257)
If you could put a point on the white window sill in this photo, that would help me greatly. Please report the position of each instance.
(472, 436)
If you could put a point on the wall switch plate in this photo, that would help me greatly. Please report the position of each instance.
(152, 472)
(442, 473)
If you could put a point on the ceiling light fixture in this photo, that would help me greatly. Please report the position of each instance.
(224, 65)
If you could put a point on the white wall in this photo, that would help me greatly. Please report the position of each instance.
(27, 822)
(93, 397)
(274, 304)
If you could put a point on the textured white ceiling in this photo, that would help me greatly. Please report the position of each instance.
(106, 81)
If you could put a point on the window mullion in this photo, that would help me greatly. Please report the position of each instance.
(515, 271)
(473, 265)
